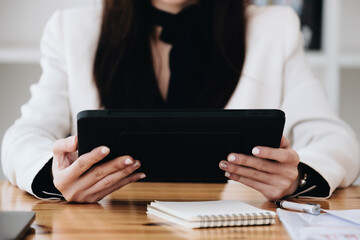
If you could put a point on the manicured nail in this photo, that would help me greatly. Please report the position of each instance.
(231, 158)
(223, 165)
(227, 174)
(256, 151)
(128, 161)
(74, 139)
(105, 150)
(136, 164)
(142, 176)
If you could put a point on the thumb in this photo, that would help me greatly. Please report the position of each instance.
(63, 146)
(284, 142)
(64, 151)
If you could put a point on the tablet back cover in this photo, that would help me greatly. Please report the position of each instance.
(179, 145)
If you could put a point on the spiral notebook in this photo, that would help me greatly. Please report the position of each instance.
(206, 214)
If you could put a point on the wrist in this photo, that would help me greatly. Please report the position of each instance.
(295, 185)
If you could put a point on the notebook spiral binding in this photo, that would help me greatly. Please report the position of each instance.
(249, 219)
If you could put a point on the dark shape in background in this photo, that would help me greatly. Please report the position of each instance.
(310, 13)
(311, 18)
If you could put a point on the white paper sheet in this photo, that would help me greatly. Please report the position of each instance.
(325, 226)
(350, 215)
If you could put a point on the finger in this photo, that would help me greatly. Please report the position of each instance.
(86, 161)
(72, 157)
(278, 154)
(115, 177)
(284, 142)
(270, 192)
(101, 171)
(247, 172)
(67, 145)
(79, 192)
(253, 162)
(108, 184)
(125, 181)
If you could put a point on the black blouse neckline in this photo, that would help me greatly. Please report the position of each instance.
(189, 33)
(174, 25)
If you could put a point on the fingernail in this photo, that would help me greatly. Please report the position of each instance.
(223, 165)
(105, 150)
(128, 161)
(227, 174)
(136, 164)
(231, 158)
(74, 139)
(256, 151)
(142, 176)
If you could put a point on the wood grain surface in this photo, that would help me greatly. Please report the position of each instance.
(122, 215)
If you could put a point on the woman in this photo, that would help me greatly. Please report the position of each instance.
(176, 54)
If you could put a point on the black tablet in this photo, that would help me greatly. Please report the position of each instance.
(179, 145)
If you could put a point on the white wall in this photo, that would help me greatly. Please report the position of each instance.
(14, 91)
(22, 21)
(350, 33)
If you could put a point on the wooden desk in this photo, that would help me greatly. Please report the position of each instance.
(122, 215)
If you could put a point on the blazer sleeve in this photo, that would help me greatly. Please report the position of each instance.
(324, 143)
(27, 144)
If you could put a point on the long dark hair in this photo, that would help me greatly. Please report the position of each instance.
(123, 66)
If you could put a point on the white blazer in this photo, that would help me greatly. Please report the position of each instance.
(275, 75)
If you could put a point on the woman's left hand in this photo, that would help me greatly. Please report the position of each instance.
(272, 171)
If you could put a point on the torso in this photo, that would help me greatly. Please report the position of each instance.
(262, 74)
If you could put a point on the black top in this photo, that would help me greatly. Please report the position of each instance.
(189, 33)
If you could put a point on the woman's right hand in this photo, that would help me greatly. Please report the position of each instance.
(78, 181)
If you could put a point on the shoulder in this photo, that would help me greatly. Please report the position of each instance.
(78, 19)
(71, 24)
(273, 26)
(72, 32)
(272, 17)
(81, 16)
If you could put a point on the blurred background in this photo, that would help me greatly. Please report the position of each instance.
(332, 46)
